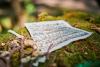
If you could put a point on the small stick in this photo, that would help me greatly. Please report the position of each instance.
(16, 34)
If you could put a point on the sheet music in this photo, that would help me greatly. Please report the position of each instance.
(55, 33)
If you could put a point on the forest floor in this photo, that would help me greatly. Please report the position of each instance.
(76, 52)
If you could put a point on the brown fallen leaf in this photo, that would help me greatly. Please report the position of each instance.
(15, 42)
(35, 53)
(29, 42)
(96, 28)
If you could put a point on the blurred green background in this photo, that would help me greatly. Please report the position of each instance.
(83, 14)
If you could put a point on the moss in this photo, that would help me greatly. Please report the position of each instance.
(97, 20)
(75, 52)
(5, 36)
(15, 59)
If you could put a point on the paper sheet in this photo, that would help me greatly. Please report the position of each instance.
(52, 35)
